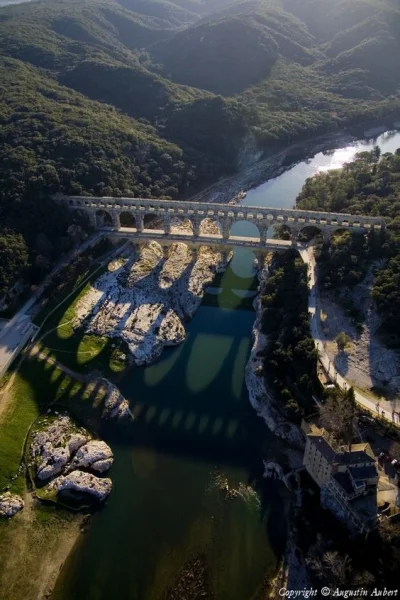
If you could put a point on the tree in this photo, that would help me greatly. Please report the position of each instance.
(14, 260)
(336, 570)
(338, 416)
(395, 450)
(342, 340)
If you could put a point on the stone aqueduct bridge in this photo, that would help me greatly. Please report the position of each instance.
(107, 212)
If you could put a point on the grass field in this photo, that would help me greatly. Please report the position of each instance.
(36, 387)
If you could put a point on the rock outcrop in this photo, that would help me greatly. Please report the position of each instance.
(63, 453)
(145, 298)
(82, 482)
(94, 455)
(52, 447)
(10, 505)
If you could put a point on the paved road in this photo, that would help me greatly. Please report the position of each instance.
(17, 331)
(382, 407)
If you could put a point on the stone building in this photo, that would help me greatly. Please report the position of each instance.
(348, 479)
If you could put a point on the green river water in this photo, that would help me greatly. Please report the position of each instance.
(194, 439)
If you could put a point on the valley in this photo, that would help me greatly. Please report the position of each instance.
(157, 430)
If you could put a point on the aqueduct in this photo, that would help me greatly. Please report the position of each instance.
(133, 212)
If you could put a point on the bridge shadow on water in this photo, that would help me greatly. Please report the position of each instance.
(193, 401)
(192, 422)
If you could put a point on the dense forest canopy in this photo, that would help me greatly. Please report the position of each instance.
(369, 185)
(290, 357)
(155, 98)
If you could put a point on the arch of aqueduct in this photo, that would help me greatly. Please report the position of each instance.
(107, 212)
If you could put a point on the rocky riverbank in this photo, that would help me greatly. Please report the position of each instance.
(63, 456)
(261, 398)
(146, 296)
(253, 170)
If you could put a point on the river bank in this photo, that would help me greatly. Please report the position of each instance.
(254, 170)
(36, 541)
(260, 397)
(187, 418)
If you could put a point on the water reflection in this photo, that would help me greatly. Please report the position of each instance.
(218, 350)
(170, 505)
(283, 190)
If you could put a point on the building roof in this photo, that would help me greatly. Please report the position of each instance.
(323, 446)
(364, 447)
(366, 507)
(354, 457)
(369, 472)
(345, 482)
(359, 453)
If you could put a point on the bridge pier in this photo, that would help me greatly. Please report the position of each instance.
(326, 235)
(226, 228)
(224, 256)
(195, 254)
(295, 237)
(92, 218)
(165, 250)
(196, 226)
(263, 236)
(167, 224)
(139, 222)
(115, 221)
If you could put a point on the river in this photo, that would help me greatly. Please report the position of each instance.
(189, 503)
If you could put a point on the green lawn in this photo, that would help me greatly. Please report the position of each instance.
(36, 387)
(73, 348)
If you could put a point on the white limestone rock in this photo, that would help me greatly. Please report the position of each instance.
(146, 301)
(81, 482)
(101, 466)
(52, 447)
(10, 505)
(91, 453)
(53, 462)
(75, 442)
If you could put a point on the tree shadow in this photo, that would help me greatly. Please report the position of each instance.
(341, 363)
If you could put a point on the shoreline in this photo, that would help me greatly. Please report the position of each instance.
(261, 399)
(273, 166)
(268, 168)
(38, 540)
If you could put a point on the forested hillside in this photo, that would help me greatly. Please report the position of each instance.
(369, 185)
(156, 97)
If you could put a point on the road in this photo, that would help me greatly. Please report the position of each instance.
(382, 407)
(17, 331)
